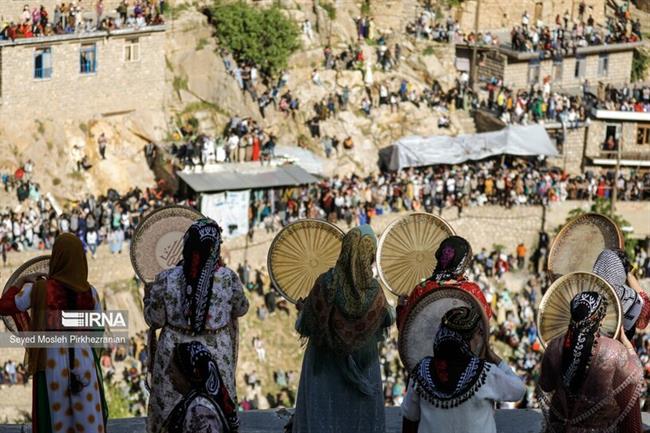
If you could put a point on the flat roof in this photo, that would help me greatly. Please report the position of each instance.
(627, 116)
(232, 180)
(44, 40)
(533, 55)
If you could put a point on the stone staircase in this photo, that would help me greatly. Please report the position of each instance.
(464, 122)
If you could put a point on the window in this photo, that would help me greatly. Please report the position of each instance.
(557, 70)
(643, 134)
(612, 137)
(88, 59)
(42, 63)
(533, 72)
(603, 65)
(131, 50)
(581, 67)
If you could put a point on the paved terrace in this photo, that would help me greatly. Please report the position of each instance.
(508, 421)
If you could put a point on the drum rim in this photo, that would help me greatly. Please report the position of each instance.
(419, 305)
(553, 287)
(276, 239)
(554, 245)
(143, 226)
(14, 276)
(384, 235)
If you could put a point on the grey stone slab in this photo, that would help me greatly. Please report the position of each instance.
(508, 421)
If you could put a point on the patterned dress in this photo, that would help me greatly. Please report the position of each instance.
(56, 409)
(163, 308)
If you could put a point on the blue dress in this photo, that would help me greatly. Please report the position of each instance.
(340, 393)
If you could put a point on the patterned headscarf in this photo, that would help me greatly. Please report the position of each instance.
(454, 373)
(347, 306)
(611, 267)
(199, 368)
(201, 251)
(587, 312)
(453, 257)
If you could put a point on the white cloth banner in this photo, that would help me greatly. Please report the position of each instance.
(229, 209)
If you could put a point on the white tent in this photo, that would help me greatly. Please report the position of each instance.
(415, 151)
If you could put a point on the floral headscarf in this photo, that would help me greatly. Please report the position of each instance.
(199, 368)
(453, 258)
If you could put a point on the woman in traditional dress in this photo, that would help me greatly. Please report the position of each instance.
(206, 405)
(614, 267)
(200, 299)
(343, 318)
(454, 256)
(590, 382)
(454, 390)
(68, 394)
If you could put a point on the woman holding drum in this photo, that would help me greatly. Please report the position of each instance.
(343, 319)
(198, 300)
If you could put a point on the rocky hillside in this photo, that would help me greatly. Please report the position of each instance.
(198, 86)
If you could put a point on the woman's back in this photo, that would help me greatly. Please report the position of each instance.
(226, 300)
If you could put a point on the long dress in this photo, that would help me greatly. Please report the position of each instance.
(329, 396)
(54, 408)
(608, 399)
(163, 308)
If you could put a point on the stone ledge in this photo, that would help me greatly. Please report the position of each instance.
(508, 421)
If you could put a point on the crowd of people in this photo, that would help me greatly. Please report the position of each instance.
(243, 140)
(73, 17)
(111, 218)
(568, 34)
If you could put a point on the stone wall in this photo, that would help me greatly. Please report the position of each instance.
(498, 14)
(627, 139)
(516, 73)
(570, 158)
(117, 86)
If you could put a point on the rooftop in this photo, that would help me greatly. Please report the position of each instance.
(83, 35)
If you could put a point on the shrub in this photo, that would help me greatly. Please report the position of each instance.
(263, 36)
(640, 63)
(330, 9)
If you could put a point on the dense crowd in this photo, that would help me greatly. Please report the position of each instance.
(73, 18)
(568, 34)
(243, 140)
(111, 218)
(538, 104)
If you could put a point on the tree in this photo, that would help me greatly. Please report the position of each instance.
(265, 37)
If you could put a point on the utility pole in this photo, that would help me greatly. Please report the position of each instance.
(473, 71)
(616, 174)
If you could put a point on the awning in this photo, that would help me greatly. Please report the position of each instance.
(275, 177)
(415, 151)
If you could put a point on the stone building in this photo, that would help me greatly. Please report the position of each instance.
(630, 139)
(82, 75)
(501, 14)
(609, 64)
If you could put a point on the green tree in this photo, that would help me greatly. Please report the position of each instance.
(263, 36)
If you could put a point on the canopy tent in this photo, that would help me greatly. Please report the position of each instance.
(263, 178)
(415, 151)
